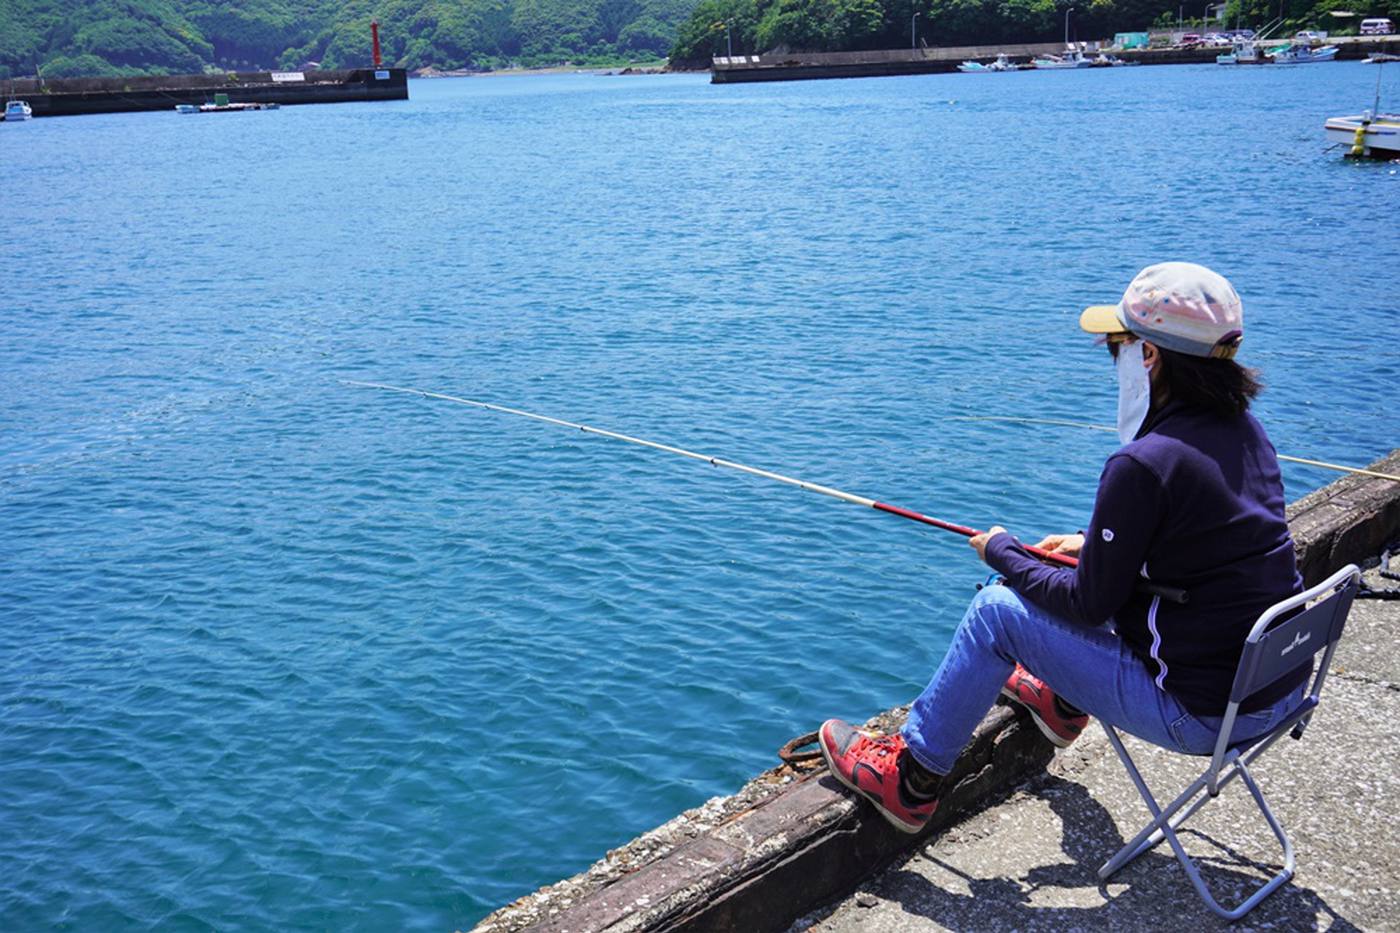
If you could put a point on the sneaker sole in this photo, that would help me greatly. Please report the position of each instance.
(890, 818)
(1055, 738)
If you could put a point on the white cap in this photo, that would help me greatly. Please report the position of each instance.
(1178, 306)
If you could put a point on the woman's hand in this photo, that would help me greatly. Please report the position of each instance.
(979, 542)
(1068, 545)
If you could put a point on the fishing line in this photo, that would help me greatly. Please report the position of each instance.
(1173, 594)
(1060, 422)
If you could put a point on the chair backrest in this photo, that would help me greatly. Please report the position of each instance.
(1276, 648)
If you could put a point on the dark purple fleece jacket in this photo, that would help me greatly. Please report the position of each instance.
(1195, 501)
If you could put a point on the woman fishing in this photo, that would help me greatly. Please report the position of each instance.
(1193, 499)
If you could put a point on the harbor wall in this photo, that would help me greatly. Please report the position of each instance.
(793, 839)
(72, 96)
(802, 66)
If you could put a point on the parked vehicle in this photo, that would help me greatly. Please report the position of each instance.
(1307, 35)
(1377, 26)
(1189, 40)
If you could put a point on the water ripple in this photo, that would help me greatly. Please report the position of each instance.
(284, 654)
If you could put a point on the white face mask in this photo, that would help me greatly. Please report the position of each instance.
(1134, 390)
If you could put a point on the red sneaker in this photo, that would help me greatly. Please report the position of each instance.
(1039, 700)
(869, 765)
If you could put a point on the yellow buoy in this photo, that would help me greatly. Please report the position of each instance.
(1358, 142)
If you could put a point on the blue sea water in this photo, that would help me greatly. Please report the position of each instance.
(280, 653)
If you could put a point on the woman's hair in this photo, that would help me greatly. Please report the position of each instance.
(1223, 387)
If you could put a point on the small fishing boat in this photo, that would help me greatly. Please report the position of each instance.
(221, 104)
(1301, 54)
(1109, 61)
(1370, 134)
(1053, 62)
(1245, 50)
(1002, 63)
(17, 110)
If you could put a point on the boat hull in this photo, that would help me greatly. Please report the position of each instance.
(1380, 141)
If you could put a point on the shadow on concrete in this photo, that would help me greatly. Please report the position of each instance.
(1142, 895)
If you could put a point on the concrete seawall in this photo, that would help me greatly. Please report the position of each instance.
(802, 66)
(793, 839)
(73, 96)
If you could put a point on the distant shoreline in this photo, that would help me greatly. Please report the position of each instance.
(644, 68)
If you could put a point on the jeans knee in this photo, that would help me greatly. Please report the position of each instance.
(997, 613)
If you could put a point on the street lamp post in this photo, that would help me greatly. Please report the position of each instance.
(913, 25)
(728, 41)
(1067, 13)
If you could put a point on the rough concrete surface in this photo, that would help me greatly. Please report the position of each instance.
(1031, 863)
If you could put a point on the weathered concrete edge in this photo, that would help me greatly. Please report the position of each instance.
(792, 839)
(1348, 521)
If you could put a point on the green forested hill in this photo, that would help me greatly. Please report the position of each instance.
(97, 37)
(841, 25)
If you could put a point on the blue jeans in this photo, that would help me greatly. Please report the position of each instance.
(1090, 668)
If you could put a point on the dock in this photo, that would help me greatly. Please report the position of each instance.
(805, 66)
(1017, 841)
(62, 97)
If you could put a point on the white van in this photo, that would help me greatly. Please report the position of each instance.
(1378, 26)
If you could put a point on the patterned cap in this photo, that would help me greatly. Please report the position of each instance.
(1177, 305)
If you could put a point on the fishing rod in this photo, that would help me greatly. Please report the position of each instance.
(1063, 423)
(1173, 594)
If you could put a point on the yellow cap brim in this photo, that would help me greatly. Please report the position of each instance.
(1102, 319)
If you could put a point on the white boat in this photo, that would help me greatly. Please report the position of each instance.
(1245, 50)
(1052, 62)
(17, 110)
(973, 67)
(1367, 135)
(1371, 133)
(222, 104)
(1300, 54)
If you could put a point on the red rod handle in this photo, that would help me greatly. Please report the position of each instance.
(1063, 560)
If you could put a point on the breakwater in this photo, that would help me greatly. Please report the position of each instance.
(803, 66)
(793, 839)
(62, 97)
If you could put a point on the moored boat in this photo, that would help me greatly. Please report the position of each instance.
(1367, 135)
(1054, 62)
(1301, 54)
(1245, 49)
(221, 104)
(1002, 63)
(1370, 134)
(17, 110)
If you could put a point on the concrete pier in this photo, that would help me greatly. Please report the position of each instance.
(802, 66)
(71, 96)
(1017, 842)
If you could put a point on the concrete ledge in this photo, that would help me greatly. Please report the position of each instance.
(794, 839)
(1347, 522)
(781, 851)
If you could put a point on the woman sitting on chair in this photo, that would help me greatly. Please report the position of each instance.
(1193, 499)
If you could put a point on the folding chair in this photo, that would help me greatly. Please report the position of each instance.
(1272, 650)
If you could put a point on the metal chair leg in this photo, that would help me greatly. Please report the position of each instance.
(1165, 822)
